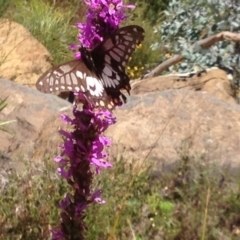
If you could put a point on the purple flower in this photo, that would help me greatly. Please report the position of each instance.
(103, 17)
(57, 234)
(83, 148)
(96, 197)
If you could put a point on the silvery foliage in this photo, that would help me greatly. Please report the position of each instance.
(188, 21)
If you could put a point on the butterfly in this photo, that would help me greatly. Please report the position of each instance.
(100, 73)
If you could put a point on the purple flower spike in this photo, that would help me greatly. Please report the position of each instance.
(103, 17)
(83, 153)
(82, 156)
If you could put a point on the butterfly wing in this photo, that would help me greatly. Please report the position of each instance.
(112, 55)
(101, 73)
(75, 76)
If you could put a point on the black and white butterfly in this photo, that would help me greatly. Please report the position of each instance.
(100, 74)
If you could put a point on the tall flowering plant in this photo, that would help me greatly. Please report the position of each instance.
(83, 149)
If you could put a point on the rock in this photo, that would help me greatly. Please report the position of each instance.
(159, 126)
(164, 125)
(23, 58)
(32, 112)
(214, 81)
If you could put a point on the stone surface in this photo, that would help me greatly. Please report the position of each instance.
(214, 81)
(165, 125)
(32, 111)
(160, 126)
(22, 58)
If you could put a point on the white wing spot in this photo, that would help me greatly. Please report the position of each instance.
(106, 79)
(115, 56)
(110, 106)
(57, 73)
(107, 71)
(128, 38)
(82, 88)
(80, 74)
(77, 89)
(108, 44)
(107, 59)
(116, 81)
(51, 80)
(63, 87)
(40, 83)
(119, 52)
(74, 78)
(65, 68)
(118, 77)
(68, 79)
(62, 80)
(122, 32)
(122, 47)
(120, 68)
(94, 86)
(101, 103)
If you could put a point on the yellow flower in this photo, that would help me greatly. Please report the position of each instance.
(139, 45)
(135, 68)
(132, 74)
(128, 68)
(168, 55)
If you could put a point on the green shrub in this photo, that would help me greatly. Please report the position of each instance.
(144, 57)
(4, 4)
(189, 21)
(152, 10)
(50, 24)
(28, 199)
(195, 200)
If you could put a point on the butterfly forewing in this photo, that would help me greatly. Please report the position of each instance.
(70, 76)
(74, 76)
(112, 55)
